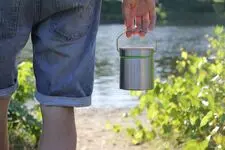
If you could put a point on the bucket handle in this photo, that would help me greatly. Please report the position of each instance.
(117, 41)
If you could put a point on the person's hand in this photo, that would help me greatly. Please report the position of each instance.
(139, 15)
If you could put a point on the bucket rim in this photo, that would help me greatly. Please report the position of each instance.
(137, 48)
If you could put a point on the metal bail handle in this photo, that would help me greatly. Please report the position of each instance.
(117, 41)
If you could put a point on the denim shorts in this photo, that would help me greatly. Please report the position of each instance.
(63, 34)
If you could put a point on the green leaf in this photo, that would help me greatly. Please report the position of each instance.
(150, 135)
(193, 69)
(152, 111)
(211, 101)
(222, 119)
(206, 119)
(167, 128)
(139, 135)
(196, 145)
(184, 55)
(193, 119)
(195, 101)
(117, 128)
(219, 68)
(220, 140)
(135, 141)
(135, 111)
(203, 145)
(191, 145)
(202, 76)
(130, 131)
(183, 64)
(218, 29)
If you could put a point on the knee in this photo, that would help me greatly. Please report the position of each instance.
(57, 115)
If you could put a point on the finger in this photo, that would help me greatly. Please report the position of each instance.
(152, 14)
(142, 33)
(129, 26)
(129, 18)
(145, 22)
(151, 3)
(129, 33)
(153, 19)
(138, 23)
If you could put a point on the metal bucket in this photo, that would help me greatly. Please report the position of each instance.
(136, 67)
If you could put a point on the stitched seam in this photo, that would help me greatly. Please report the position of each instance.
(75, 36)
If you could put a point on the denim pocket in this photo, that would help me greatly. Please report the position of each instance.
(9, 15)
(73, 23)
(66, 4)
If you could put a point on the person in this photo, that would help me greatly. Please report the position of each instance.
(63, 34)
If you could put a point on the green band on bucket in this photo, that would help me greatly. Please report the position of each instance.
(134, 57)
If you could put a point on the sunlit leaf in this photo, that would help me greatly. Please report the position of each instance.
(205, 120)
(193, 119)
(117, 128)
(184, 55)
(218, 30)
(196, 145)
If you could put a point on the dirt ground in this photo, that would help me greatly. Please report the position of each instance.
(94, 135)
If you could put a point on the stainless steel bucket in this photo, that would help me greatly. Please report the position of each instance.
(136, 67)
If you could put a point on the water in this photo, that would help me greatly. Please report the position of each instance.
(170, 40)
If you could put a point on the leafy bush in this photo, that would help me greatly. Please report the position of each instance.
(24, 123)
(189, 107)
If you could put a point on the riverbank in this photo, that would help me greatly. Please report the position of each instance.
(94, 135)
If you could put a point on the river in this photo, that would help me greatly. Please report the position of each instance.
(170, 40)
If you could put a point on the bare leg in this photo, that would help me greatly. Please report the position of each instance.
(59, 130)
(4, 102)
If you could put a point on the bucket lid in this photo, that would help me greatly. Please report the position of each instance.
(136, 51)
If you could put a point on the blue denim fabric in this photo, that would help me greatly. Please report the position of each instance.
(63, 35)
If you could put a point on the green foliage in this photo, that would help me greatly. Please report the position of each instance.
(24, 124)
(26, 82)
(188, 107)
